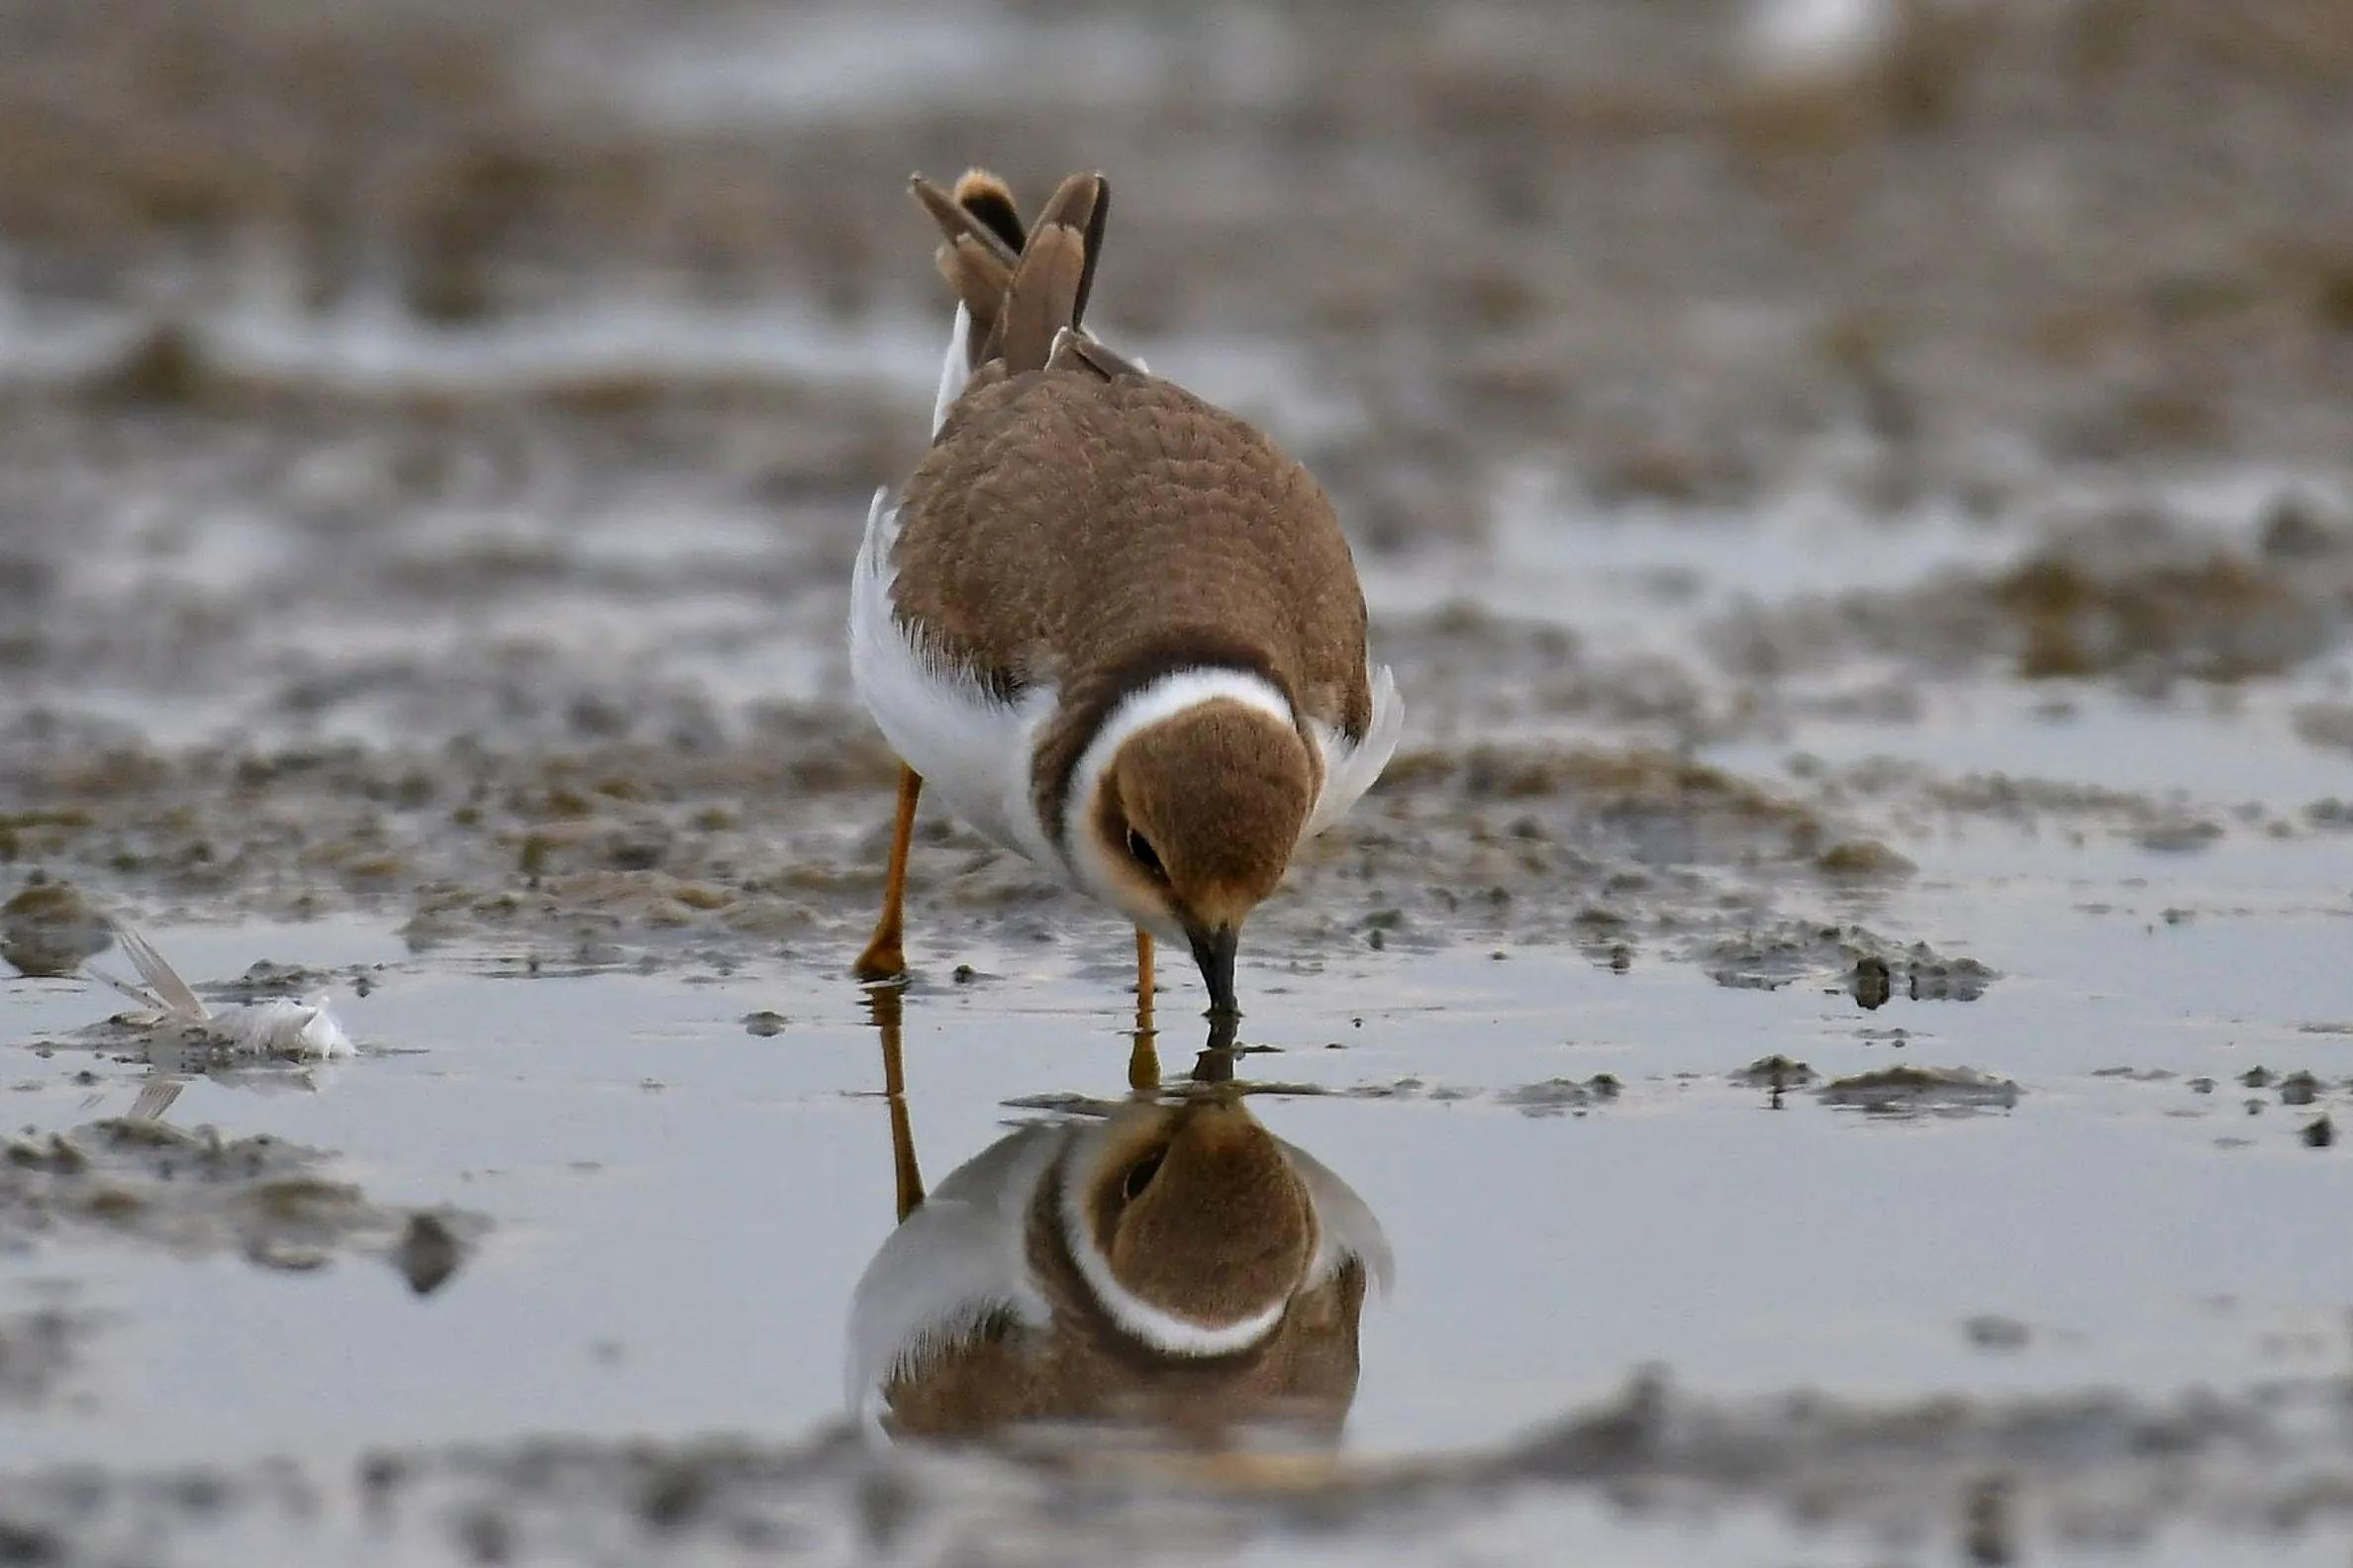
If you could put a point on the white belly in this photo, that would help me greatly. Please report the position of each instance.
(971, 750)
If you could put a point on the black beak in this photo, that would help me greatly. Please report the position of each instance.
(1214, 950)
(1216, 1062)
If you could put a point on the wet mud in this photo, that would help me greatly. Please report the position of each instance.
(146, 1182)
(1837, 1007)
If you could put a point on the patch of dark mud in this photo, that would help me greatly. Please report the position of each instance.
(41, 1349)
(769, 836)
(2135, 595)
(1620, 852)
(2300, 1088)
(2091, 1468)
(1908, 1090)
(1867, 966)
(1462, 646)
(2329, 815)
(1551, 1097)
(2167, 822)
(265, 979)
(49, 928)
(1562, 1096)
(663, 846)
(2056, 1478)
(1776, 1074)
(1405, 1088)
(193, 1193)
(2326, 724)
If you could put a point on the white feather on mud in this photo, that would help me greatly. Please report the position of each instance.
(282, 1027)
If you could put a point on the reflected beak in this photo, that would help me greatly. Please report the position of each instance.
(1214, 950)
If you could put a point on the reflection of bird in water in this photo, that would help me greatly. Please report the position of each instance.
(1172, 1264)
(185, 1038)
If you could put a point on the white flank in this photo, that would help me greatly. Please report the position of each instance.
(1156, 1326)
(957, 1261)
(1345, 1226)
(1351, 766)
(970, 749)
(1150, 704)
(954, 371)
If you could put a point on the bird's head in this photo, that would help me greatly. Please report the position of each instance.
(1192, 822)
(1188, 1223)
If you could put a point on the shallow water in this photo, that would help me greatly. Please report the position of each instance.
(1835, 550)
(680, 1206)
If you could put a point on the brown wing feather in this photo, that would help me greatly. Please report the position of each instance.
(1092, 533)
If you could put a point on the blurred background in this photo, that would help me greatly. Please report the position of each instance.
(402, 372)
(392, 258)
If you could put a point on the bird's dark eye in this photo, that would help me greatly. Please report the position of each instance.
(1140, 850)
(1140, 1176)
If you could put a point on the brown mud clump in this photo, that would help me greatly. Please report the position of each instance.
(1776, 1074)
(2135, 595)
(194, 1193)
(2220, 619)
(1865, 965)
(1912, 1090)
(49, 928)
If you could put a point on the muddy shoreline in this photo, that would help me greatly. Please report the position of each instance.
(1838, 1002)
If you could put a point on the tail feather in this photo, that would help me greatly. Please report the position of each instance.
(982, 234)
(1039, 301)
(990, 199)
(1021, 289)
(1098, 215)
(1080, 204)
(990, 221)
(979, 280)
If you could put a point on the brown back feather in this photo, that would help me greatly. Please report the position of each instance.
(1078, 520)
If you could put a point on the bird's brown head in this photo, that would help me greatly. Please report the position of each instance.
(1190, 1224)
(1195, 821)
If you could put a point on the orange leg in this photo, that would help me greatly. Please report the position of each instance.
(1143, 1063)
(907, 1177)
(885, 958)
